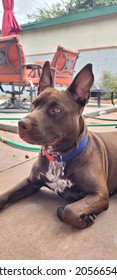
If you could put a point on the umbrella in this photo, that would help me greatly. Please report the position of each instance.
(10, 25)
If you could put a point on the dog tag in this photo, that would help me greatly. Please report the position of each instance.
(62, 167)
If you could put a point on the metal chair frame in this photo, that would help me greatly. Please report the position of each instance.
(13, 102)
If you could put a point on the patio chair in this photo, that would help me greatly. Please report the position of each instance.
(15, 75)
(62, 65)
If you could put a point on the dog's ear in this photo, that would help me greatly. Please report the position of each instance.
(81, 85)
(46, 78)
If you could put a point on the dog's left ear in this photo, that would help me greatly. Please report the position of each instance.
(81, 85)
(46, 78)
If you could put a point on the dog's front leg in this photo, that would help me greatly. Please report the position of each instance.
(82, 213)
(20, 191)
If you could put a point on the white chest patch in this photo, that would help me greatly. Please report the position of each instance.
(54, 178)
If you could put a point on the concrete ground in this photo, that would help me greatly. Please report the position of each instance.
(30, 229)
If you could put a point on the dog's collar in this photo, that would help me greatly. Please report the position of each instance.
(69, 156)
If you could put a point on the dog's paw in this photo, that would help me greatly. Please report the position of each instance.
(79, 220)
(87, 220)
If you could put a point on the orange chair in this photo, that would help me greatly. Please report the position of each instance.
(62, 65)
(15, 74)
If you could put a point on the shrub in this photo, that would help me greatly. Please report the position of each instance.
(110, 82)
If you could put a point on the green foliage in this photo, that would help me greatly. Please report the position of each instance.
(52, 11)
(65, 7)
(110, 81)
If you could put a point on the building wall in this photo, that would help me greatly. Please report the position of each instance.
(103, 60)
(93, 33)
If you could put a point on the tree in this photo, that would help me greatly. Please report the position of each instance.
(65, 7)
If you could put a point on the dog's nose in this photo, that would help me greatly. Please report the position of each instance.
(24, 124)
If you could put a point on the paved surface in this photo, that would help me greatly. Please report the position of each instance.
(30, 228)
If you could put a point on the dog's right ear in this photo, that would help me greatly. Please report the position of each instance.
(46, 79)
(81, 85)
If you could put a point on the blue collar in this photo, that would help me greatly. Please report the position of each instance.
(71, 155)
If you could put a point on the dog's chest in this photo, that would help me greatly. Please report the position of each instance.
(55, 179)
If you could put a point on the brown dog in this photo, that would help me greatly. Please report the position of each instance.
(78, 165)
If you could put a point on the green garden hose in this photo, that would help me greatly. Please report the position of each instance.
(21, 146)
(102, 124)
(10, 119)
(101, 119)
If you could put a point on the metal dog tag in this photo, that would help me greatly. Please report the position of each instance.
(62, 167)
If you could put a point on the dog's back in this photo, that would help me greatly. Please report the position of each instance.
(109, 141)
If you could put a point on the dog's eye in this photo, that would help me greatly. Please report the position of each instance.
(56, 110)
(54, 107)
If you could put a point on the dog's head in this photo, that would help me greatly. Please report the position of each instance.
(56, 119)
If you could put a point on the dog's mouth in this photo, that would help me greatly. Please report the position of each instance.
(53, 142)
(27, 139)
(38, 139)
